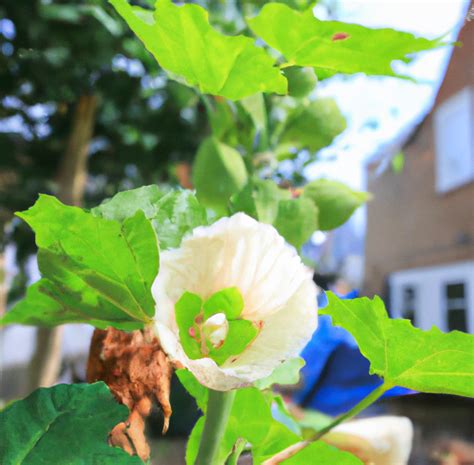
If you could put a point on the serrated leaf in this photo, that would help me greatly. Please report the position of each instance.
(296, 220)
(125, 204)
(173, 215)
(333, 46)
(178, 213)
(428, 361)
(314, 126)
(218, 172)
(94, 270)
(63, 425)
(183, 42)
(336, 201)
(287, 373)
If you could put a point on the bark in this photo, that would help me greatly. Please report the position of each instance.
(46, 363)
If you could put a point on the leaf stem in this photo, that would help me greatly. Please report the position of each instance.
(362, 405)
(218, 409)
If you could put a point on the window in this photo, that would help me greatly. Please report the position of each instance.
(409, 303)
(453, 122)
(456, 306)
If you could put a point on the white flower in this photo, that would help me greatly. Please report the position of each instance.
(278, 292)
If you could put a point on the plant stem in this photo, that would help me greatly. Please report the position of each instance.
(238, 449)
(218, 409)
(362, 405)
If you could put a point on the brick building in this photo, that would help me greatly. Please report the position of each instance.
(420, 225)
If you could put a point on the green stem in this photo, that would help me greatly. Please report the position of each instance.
(292, 450)
(218, 409)
(362, 405)
(238, 449)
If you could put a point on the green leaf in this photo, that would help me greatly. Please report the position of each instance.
(287, 373)
(428, 361)
(259, 199)
(398, 162)
(218, 172)
(125, 204)
(178, 213)
(254, 105)
(94, 270)
(187, 309)
(173, 215)
(250, 418)
(63, 425)
(333, 46)
(336, 202)
(183, 42)
(326, 455)
(196, 389)
(314, 126)
(228, 301)
(301, 81)
(296, 220)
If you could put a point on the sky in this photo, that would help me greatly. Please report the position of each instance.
(380, 110)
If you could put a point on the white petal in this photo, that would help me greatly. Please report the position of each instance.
(391, 437)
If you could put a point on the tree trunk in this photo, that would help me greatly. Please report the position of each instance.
(46, 362)
(3, 284)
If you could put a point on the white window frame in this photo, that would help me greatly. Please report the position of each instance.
(430, 285)
(461, 107)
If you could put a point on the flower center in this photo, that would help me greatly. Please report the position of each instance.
(215, 329)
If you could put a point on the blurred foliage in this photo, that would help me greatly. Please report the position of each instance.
(148, 128)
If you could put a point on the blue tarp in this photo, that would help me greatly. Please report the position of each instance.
(336, 375)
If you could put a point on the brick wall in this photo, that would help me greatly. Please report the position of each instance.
(408, 224)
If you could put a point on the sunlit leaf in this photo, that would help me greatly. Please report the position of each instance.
(172, 215)
(183, 42)
(94, 270)
(177, 214)
(428, 361)
(296, 220)
(314, 126)
(336, 201)
(63, 425)
(301, 81)
(251, 419)
(333, 46)
(398, 162)
(218, 172)
(125, 204)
